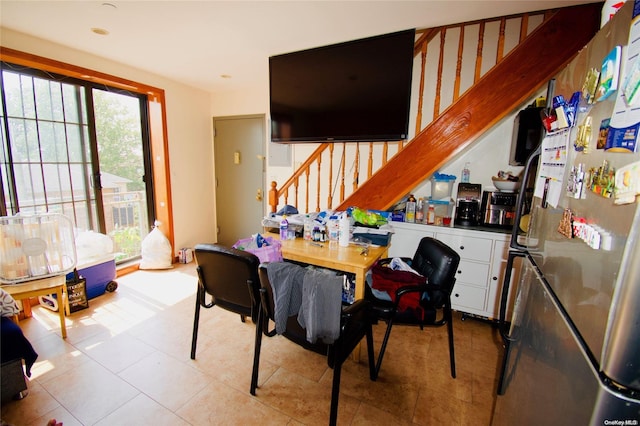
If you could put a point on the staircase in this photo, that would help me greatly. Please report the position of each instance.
(514, 78)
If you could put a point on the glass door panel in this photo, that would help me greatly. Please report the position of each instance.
(122, 172)
(74, 148)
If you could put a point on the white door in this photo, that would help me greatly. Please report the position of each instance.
(239, 144)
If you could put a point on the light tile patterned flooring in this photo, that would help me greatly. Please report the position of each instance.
(126, 362)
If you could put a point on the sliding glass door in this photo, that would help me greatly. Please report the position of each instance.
(78, 149)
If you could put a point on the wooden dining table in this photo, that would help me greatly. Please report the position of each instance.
(355, 259)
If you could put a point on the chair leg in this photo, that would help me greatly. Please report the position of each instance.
(452, 357)
(335, 394)
(256, 353)
(384, 345)
(196, 319)
(373, 374)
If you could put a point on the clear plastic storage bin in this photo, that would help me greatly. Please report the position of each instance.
(442, 186)
(34, 247)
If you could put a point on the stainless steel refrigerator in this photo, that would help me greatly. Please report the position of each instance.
(572, 340)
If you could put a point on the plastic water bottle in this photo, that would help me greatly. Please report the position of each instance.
(420, 211)
(466, 174)
(284, 228)
(343, 240)
(308, 228)
(333, 229)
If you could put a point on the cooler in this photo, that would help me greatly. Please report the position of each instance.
(99, 273)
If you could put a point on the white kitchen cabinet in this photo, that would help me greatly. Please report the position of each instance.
(501, 252)
(483, 258)
(404, 240)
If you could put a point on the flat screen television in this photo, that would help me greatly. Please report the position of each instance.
(354, 91)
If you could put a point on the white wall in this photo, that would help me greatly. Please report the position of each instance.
(189, 134)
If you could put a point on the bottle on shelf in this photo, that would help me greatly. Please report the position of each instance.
(466, 174)
(420, 210)
(284, 227)
(431, 214)
(410, 209)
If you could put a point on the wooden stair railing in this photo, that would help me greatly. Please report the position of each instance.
(537, 59)
(539, 54)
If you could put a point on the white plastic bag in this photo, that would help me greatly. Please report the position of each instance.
(92, 245)
(156, 250)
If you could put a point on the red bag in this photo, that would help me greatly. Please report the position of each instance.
(389, 280)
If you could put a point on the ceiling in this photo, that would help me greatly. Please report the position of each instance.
(225, 45)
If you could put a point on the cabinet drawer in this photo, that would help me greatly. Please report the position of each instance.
(473, 273)
(404, 242)
(468, 247)
(464, 296)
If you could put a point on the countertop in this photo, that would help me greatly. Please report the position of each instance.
(481, 228)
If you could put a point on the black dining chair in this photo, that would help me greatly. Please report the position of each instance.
(230, 278)
(437, 263)
(355, 324)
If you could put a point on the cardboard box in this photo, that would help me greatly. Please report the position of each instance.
(185, 255)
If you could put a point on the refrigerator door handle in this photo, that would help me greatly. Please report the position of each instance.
(504, 298)
(520, 200)
(503, 324)
(533, 158)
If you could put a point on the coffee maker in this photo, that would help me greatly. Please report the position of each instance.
(468, 204)
(498, 209)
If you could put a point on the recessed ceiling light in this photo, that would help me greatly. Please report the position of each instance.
(100, 31)
(225, 76)
(111, 5)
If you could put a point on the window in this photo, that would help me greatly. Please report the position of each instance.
(82, 149)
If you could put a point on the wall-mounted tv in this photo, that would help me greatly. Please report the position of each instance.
(353, 91)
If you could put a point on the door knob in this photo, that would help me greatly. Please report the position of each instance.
(259, 195)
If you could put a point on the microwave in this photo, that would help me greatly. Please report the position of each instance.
(527, 134)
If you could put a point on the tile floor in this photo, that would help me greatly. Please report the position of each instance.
(126, 362)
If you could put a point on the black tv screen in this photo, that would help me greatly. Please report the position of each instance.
(353, 91)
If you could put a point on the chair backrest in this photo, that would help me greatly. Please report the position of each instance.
(268, 306)
(439, 263)
(230, 276)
